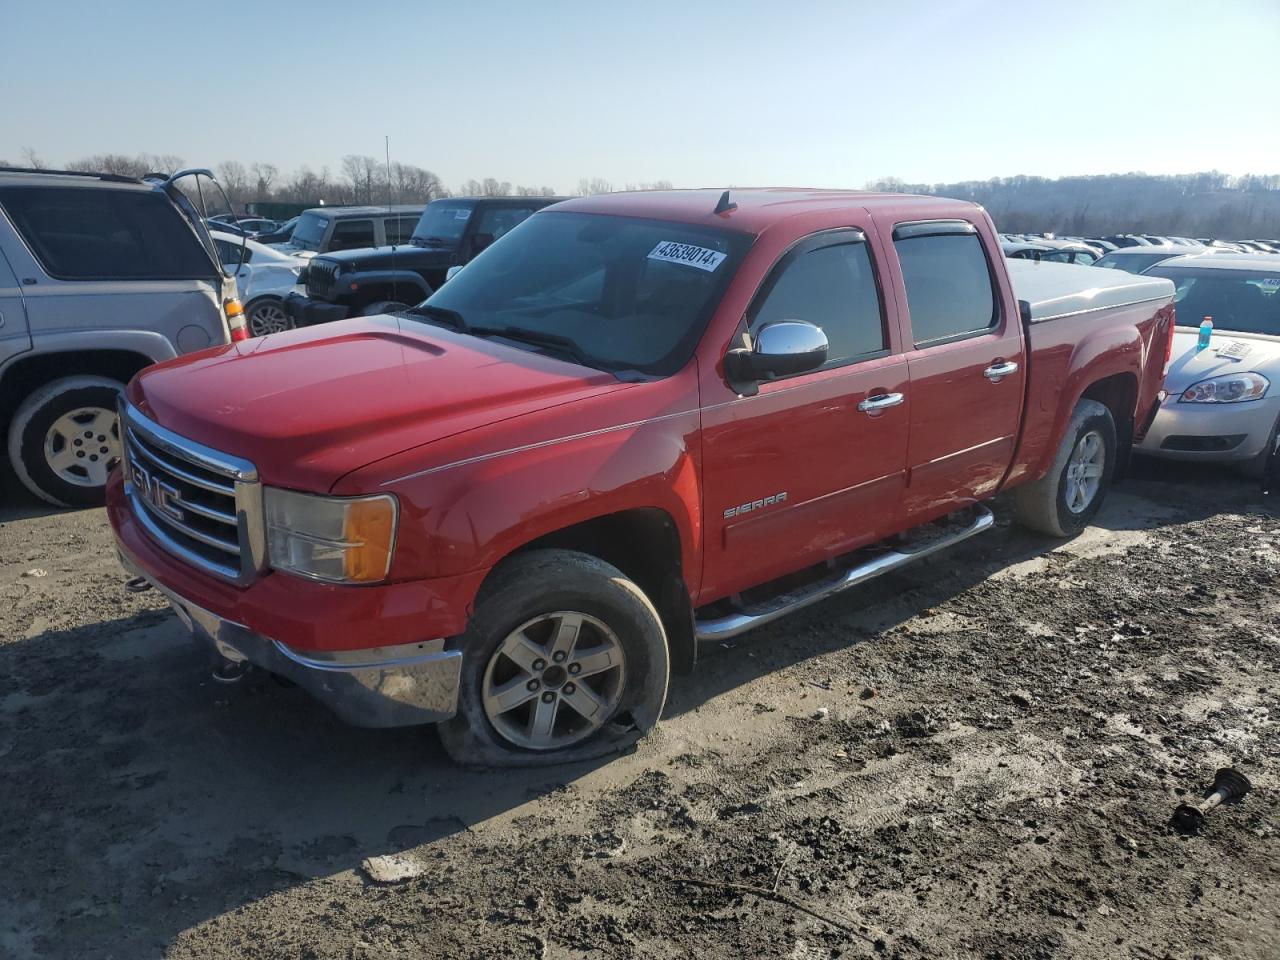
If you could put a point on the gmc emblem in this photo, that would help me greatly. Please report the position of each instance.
(161, 495)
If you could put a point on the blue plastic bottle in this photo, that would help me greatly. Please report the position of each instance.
(1206, 331)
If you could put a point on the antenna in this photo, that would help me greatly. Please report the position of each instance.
(386, 144)
(725, 204)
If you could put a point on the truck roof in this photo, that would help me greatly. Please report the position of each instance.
(757, 208)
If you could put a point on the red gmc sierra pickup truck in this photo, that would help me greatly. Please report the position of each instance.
(636, 422)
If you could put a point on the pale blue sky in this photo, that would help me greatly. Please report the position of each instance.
(697, 92)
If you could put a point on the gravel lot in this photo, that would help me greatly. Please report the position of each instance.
(977, 757)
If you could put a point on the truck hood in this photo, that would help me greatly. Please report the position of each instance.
(1188, 365)
(310, 405)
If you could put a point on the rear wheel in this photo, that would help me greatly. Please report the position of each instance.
(566, 659)
(1064, 500)
(65, 439)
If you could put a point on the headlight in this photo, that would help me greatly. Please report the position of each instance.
(1229, 388)
(341, 540)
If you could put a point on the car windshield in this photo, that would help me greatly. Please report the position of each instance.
(615, 293)
(441, 225)
(309, 233)
(1242, 301)
(1131, 262)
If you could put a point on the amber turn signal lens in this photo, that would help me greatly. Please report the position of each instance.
(370, 531)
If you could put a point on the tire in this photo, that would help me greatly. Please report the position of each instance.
(1043, 505)
(524, 599)
(266, 316)
(46, 449)
(384, 306)
(1256, 466)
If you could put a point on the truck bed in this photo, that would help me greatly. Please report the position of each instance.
(1057, 290)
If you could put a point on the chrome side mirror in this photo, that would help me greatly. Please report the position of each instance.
(781, 349)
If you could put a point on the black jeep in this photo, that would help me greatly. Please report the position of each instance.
(376, 280)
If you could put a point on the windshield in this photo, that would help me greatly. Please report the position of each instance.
(441, 225)
(1242, 301)
(615, 293)
(309, 233)
(1131, 262)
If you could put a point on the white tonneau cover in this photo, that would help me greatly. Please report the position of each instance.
(1061, 289)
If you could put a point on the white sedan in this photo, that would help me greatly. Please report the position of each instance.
(264, 279)
(1223, 399)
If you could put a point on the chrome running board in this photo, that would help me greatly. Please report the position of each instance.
(750, 616)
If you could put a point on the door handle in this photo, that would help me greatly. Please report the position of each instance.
(998, 371)
(880, 402)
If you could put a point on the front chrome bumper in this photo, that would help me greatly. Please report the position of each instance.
(385, 687)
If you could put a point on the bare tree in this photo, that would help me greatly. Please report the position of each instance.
(235, 180)
(264, 174)
(364, 174)
(587, 188)
(32, 159)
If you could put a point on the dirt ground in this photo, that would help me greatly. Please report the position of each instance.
(977, 757)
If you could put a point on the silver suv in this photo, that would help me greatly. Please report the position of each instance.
(99, 277)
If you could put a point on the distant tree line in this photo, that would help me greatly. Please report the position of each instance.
(1185, 205)
(359, 180)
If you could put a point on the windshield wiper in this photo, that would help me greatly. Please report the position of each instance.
(451, 318)
(554, 341)
(429, 241)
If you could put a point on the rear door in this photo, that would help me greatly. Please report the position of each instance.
(806, 469)
(966, 367)
(15, 338)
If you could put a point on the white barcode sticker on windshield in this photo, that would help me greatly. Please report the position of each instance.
(687, 254)
(1270, 284)
(1234, 349)
(461, 214)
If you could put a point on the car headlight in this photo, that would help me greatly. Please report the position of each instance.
(337, 539)
(1228, 388)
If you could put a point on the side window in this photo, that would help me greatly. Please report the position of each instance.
(352, 235)
(104, 234)
(832, 287)
(495, 221)
(949, 288)
(229, 253)
(399, 229)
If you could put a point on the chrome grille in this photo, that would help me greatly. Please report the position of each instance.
(320, 277)
(200, 504)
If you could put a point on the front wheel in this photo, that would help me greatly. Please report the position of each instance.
(565, 660)
(1064, 500)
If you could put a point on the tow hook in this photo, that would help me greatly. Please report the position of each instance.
(1228, 784)
(137, 584)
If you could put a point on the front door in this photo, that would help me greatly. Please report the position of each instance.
(807, 468)
(966, 369)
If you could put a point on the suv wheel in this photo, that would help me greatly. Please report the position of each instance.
(566, 659)
(1064, 500)
(268, 316)
(65, 439)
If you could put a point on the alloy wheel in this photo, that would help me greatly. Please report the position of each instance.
(1084, 471)
(554, 680)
